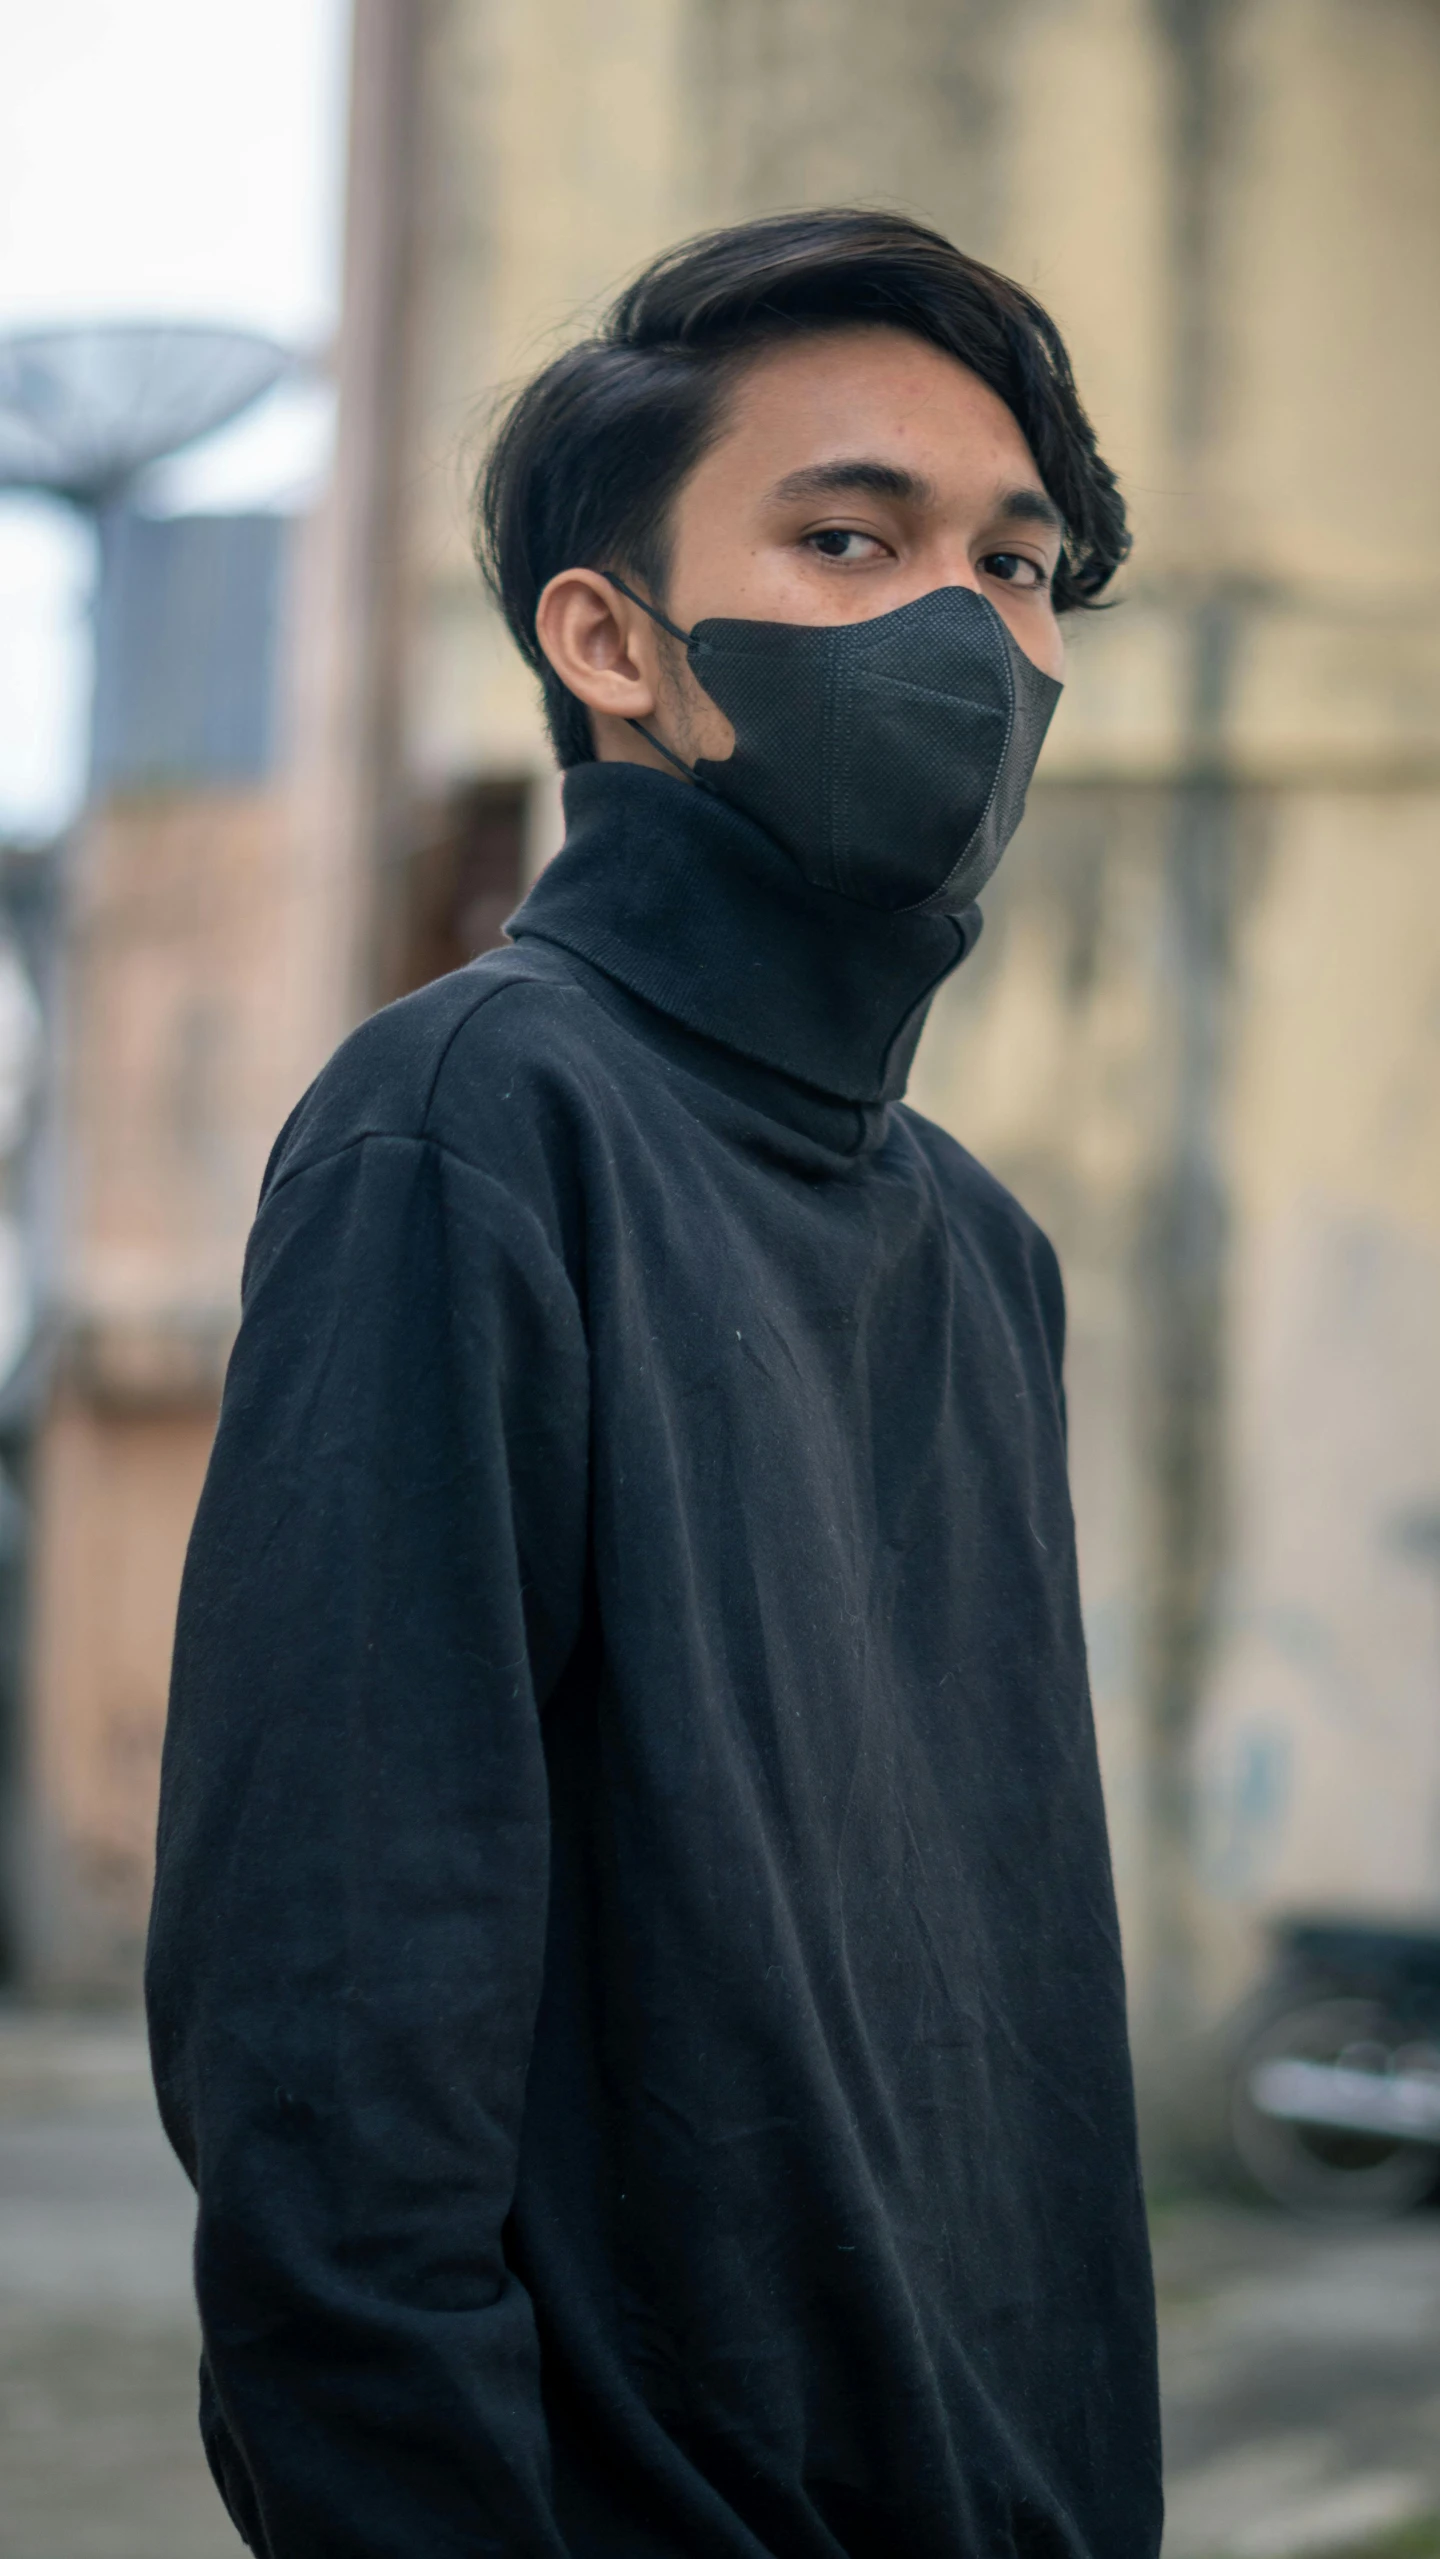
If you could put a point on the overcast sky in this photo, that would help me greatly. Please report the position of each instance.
(158, 159)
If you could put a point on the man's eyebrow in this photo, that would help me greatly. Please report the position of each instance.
(1030, 506)
(832, 479)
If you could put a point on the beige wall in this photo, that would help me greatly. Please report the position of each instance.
(192, 1019)
(117, 1488)
(188, 1008)
(1320, 1756)
(1202, 1036)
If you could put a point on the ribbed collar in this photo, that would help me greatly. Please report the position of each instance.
(692, 907)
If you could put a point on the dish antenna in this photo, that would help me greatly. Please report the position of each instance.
(82, 410)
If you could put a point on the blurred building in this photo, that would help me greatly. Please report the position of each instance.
(176, 1059)
(1202, 1035)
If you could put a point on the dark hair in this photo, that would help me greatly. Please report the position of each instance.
(586, 462)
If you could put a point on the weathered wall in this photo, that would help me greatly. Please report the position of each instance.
(1319, 1768)
(189, 1030)
(118, 1480)
(1202, 1037)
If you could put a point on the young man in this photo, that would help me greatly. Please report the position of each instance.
(634, 1974)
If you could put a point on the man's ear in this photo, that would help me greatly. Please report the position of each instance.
(601, 645)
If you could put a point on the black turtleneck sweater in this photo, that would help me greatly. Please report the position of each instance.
(634, 1973)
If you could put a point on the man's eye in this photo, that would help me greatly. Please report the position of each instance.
(835, 543)
(1013, 569)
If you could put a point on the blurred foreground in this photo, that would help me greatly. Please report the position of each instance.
(98, 2445)
(1302, 2368)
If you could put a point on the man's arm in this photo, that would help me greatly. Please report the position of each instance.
(348, 1935)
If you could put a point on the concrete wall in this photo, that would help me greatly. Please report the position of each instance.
(190, 1018)
(1202, 1037)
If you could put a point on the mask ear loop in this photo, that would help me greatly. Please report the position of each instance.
(684, 637)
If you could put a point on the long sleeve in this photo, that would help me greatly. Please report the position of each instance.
(384, 1584)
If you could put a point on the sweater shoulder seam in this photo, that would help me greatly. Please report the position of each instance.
(385, 1137)
(420, 1134)
(486, 995)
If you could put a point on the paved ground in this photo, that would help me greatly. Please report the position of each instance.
(1302, 2373)
(99, 2457)
(1301, 2377)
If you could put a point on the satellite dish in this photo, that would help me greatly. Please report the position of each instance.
(83, 409)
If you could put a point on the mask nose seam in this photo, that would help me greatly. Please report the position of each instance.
(923, 904)
(832, 732)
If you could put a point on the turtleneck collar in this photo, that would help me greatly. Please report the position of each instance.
(695, 909)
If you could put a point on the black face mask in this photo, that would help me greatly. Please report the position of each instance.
(890, 758)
